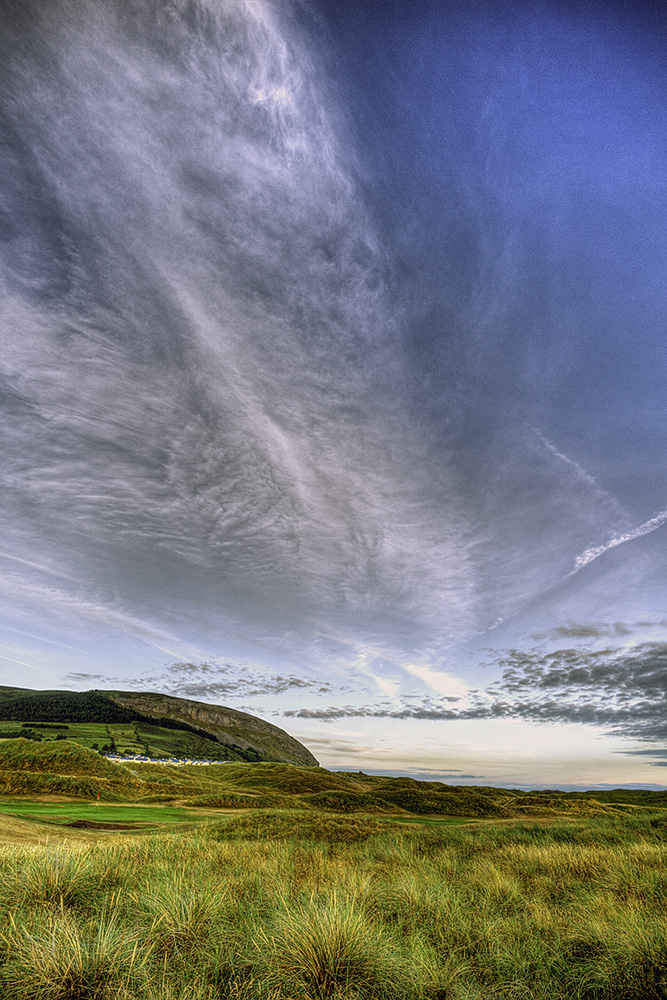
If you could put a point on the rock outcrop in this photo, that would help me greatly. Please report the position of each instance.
(228, 726)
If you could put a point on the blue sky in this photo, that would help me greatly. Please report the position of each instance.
(333, 373)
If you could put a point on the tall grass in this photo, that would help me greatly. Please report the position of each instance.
(328, 947)
(62, 959)
(353, 908)
(55, 878)
(182, 916)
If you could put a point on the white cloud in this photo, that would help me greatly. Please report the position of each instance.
(595, 551)
(445, 684)
(208, 405)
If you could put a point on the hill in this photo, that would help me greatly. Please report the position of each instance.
(63, 768)
(154, 725)
(246, 735)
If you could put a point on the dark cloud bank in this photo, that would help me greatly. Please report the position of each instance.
(621, 690)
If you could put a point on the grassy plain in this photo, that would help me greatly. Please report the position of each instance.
(272, 882)
(119, 813)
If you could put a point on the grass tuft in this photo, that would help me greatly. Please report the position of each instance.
(56, 879)
(328, 948)
(183, 917)
(64, 960)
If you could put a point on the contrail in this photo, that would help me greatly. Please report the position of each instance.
(21, 663)
(594, 551)
(586, 557)
(39, 566)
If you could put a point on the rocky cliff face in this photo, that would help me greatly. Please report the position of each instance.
(229, 727)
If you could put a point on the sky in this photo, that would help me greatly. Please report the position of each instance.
(332, 382)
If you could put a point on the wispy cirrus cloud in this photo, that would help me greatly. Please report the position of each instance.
(214, 389)
(219, 393)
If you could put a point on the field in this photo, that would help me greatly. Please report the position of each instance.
(87, 812)
(123, 738)
(275, 905)
(211, 894)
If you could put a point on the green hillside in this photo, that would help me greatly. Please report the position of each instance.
(148, 724)
(245, 736)
(65, 768)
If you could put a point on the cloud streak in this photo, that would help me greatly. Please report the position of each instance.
(274, 359)
(595, 551)
(214, 384)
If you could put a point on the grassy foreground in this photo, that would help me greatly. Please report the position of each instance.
(304, 905)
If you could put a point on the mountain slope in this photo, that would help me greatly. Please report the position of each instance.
(146, 723)
(234, 729)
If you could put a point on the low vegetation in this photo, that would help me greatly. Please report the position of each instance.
(342, 908)
(302, 884)
(66, 768)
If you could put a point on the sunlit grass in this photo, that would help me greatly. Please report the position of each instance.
(182, 916)
(59, 958)
(327, 947)
(55, 878)
(306, 906)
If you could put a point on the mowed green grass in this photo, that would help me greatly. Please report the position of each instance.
(66, 812)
